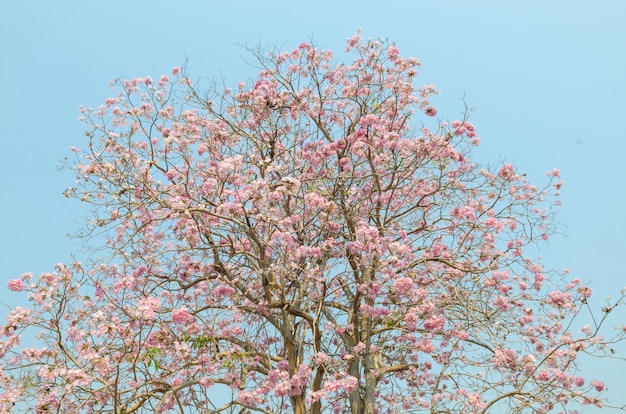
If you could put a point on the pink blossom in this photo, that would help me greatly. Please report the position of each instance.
(502, 288)
(344, 163)
(202, 148)
(19, 316)
(375, 312)
(148, 307)
(544, 375)
(586, 329)
(475, 401)
(206, 382)
(175, 70)
(321, 358)
(528, 316)
(16, 285)
(505, 358)
(465, 212)
(353, 41)
(358, 348)
(507, 172)
(434, 323)
(426, 345)
(181, 316)
(410, 319)
(350, 383)
(501, 303)
(248, 398)
(560, 299)
(171, 174)
(584, 292)
(223, 291)
(393, 53)
(554, 173)
(403, 284)
(598, 385)
(430, 111)
(494, 223)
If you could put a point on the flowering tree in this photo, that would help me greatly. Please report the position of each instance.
(315, 241)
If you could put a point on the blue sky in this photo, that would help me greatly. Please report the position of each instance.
(547, 80)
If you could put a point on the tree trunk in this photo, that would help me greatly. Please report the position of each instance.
(370, 385)
(298, 404)
(356, 402)
(297, 401)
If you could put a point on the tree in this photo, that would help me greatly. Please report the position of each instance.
(303, 245)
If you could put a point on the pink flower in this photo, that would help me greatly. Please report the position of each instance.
(16, 285)
(410, 319)
(493, 223)
(222, 291)
(171, 174)
(507, 172)
(559, 299)
(501, 303)
(206, 382)
(181, 316)
(465, 212)
(175, 70)
(430, 111)
(321, 358)
(504, 358)
(504, 289)
(350, 383)
(554, 173)
(475, 401)
(434, 323)
(393, 53)
(19, 316)
(248, 398)
(585, 292)
(353, 41)
(426, 346)
(147, 308)
(598, 385)
(403, 284)
(543, 375)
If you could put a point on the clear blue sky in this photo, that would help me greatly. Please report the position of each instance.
(547, 79)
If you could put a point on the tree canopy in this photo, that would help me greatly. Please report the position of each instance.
(316, 240)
